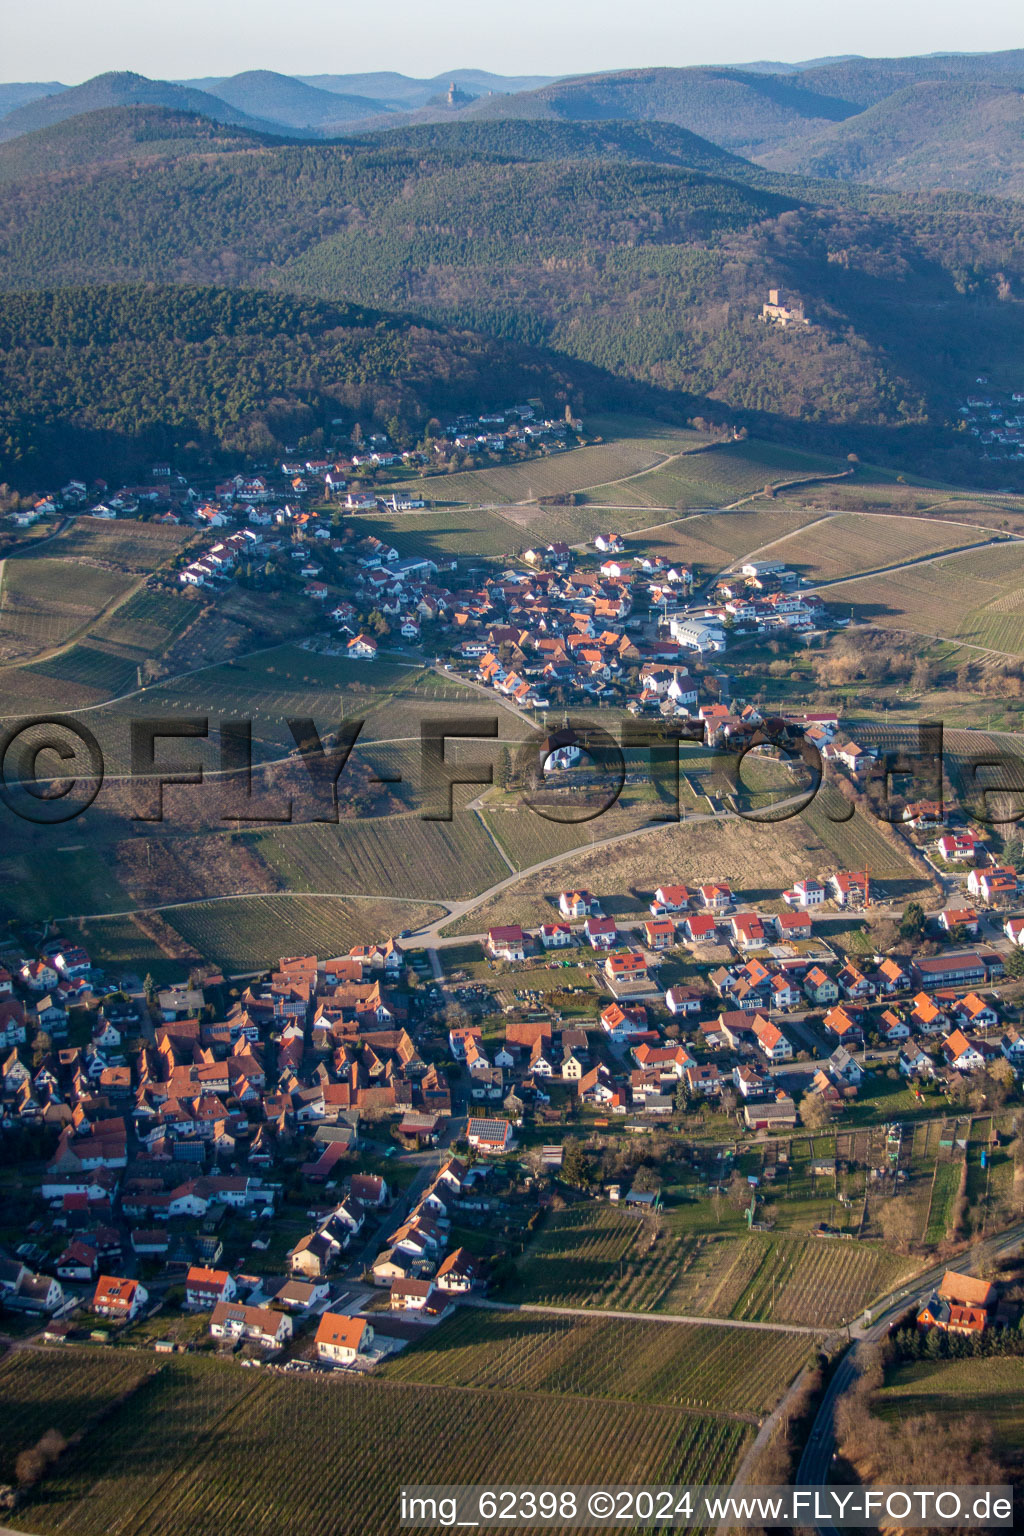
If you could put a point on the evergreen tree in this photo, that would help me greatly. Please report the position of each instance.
(574, 1164)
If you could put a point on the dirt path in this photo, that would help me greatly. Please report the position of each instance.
(669, 1318)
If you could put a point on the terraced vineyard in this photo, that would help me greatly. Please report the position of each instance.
(249, 933)
(683, 1364)
(239, 1468)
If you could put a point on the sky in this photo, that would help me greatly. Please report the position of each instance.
(70, 40)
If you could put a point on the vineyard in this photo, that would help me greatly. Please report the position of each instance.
(712, 540)
(207, 1447)
(722, 474)
(973, 597)
(943, 1201)
(607, 1258)
(131, 546)
(861, 843)
(45, 1389)
(104, 673)
(814, 1281)
(250, 933)
(393, 855)
(854, 542)
(148, 622)
(559, 473)
(467, 531)
(717, 1369)
(43, 603)
(758, 860)
(118, 944)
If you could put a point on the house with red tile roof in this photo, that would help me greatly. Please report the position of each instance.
(341, 1339)
(118, 1298)
(508, 943)
(205, 1287)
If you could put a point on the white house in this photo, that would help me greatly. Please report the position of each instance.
(340, 1339)
(257, 1325)
(508, 943)
(555, 935)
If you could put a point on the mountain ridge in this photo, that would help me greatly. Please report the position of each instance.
(122, 88)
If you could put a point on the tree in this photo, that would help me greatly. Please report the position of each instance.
(574, 1164)
(149, 987)
(815, 1111)
(912, 923)
(1015, 964)
(646, 1179)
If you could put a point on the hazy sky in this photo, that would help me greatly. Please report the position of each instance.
(70, 40)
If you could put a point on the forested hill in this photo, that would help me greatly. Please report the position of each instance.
(102, 380)
(633, 263)
(967, 136)
(120, 133)
(511, 138)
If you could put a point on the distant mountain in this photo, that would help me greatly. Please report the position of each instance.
(774, 67)
(866, 81)
(282, 99)
(122, 90)
(964, 137)
(116, 134)
(738, 111)
(17, 94)
(406, 93)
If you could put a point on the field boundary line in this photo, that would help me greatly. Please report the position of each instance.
(670, 1319)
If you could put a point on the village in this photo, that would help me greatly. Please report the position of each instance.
(548, 626)
(313, 1167)
(325, 1153)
